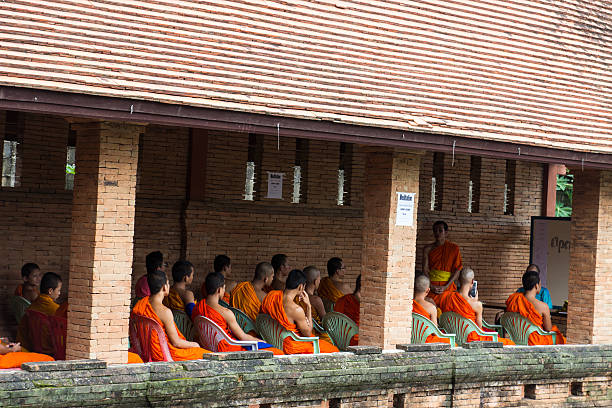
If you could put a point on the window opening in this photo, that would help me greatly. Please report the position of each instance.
(344, 174)
(474, 184)
(70, 159)
(509, 187)
(300, 172)
(253, 168)
(11, 161)
(437, 182)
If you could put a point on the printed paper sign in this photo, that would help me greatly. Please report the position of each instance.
(275, 185)
(405, 209)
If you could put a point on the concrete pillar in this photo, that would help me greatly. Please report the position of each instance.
(102, 241)
(590, 278)
(388, 254)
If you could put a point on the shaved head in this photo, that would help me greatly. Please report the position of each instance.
(312, 273)
(466, 276)
(421, 284)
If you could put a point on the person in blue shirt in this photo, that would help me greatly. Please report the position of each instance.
(544, 294)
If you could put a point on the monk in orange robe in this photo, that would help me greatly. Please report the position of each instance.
(533, 309)
(180, 297)
(469, 307)
(11, 356)
(31, 275)
(247, 296)
(441, 262)
(223, 317)
(280, 305)
(50, 290)
(425, 306)
(280, 263)
(313, 279)
(332, 288)
(222, 264)
(349, 305)
(153, 308)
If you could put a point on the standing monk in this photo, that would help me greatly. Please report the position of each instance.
(247, 296)
(442, 262)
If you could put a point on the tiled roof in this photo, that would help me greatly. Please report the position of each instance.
(528, 71)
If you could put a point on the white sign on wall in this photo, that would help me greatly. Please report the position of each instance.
(275, 185)
(405, 209)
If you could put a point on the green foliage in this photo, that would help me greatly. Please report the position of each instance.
(71, 169)
(565, 192)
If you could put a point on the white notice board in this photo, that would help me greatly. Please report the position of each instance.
(550, 250)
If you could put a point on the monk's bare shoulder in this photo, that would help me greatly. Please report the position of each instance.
(541, 307)
(230, 285)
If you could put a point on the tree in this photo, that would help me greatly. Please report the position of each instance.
(565, 191)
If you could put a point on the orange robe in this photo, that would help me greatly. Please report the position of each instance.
(174, 301)
(62, 310)
(144, 308)
(244, 298)
(14, 360)
(349, 305)
(518, 303)
(432, 338)
(443, 262)
(273, 305)
(134, 358)
(202, 309)
(43, 304)
(454, 302)
(328, 290)
(315, 316)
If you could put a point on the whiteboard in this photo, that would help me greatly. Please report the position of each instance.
(550, 250)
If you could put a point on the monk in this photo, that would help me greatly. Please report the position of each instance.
(154, 261)
(469, 307)
(210, 307)
(280, 263)
(527, 305)
(313, 279)
(332, 288)
(247, 296)
(153, 308)
(543, 294)
(280, 305)
(180, 297)
(425, 307)
(31, 275)
(11, 356)
(50, 290)
(441, 262)
(349, 306)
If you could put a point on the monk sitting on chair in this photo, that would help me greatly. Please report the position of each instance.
(425, 307)
(349, 305)
(31, 275)
(247, 296)
(533, 309)
(313, 279)
(469, 307)
(225, 319)
(332, 288)
(280, 263)
(154, 261)
(153, 308)
(180, 297)
(442, 262)
(280, 305)
(222, 264)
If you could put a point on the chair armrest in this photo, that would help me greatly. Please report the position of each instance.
(543, 332)
(481, 332)
(450, 336)
(314, 340)
(248, 343)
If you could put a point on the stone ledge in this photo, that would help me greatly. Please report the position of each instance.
(361, 350)
(69, 365)
(482, 344)
(424, 347)
(238, 355)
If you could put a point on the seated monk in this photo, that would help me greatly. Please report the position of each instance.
(280, 305)
(442, 262)
(154, 261)
(31, 275)
(153, 308)
(50, 290)
(222, 264)
(247, 296)
(280, 263)
(11, 356)
(332, 288)
(469, 307)
(313, 279)
(425, 307)
(210, 307)
(543, 294)
(349, 306)
(533, 309)
(180, 297)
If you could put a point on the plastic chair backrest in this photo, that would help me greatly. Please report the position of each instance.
(38, 333)
(275, 334)
(211, 335)
(328, 305)
(520, 328)
(59, 327)
(141, 333)
(452, 322)
(184, 324)
(340, 328)
(422, 328)
(245, 323)
(18, 305)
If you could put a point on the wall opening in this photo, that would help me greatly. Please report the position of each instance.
(437, 182)
(252, 181)
(344, 174)
(474, 184)
(509, 187)
(11, 157)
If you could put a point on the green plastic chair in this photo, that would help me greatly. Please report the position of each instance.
(18, 306)
(224, 304)
(519, 328)
(185, 325)
(497, 327)
(245, 323)
(452, 322)
(274, 334)
(340, 328)
(328, 305)
(422, 327)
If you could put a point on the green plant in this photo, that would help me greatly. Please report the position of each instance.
(565, 192)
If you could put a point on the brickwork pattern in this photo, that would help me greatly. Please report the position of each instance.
(102, 241)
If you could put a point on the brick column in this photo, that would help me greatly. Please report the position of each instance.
(388, 254)
(589, 317)
(102, 241)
